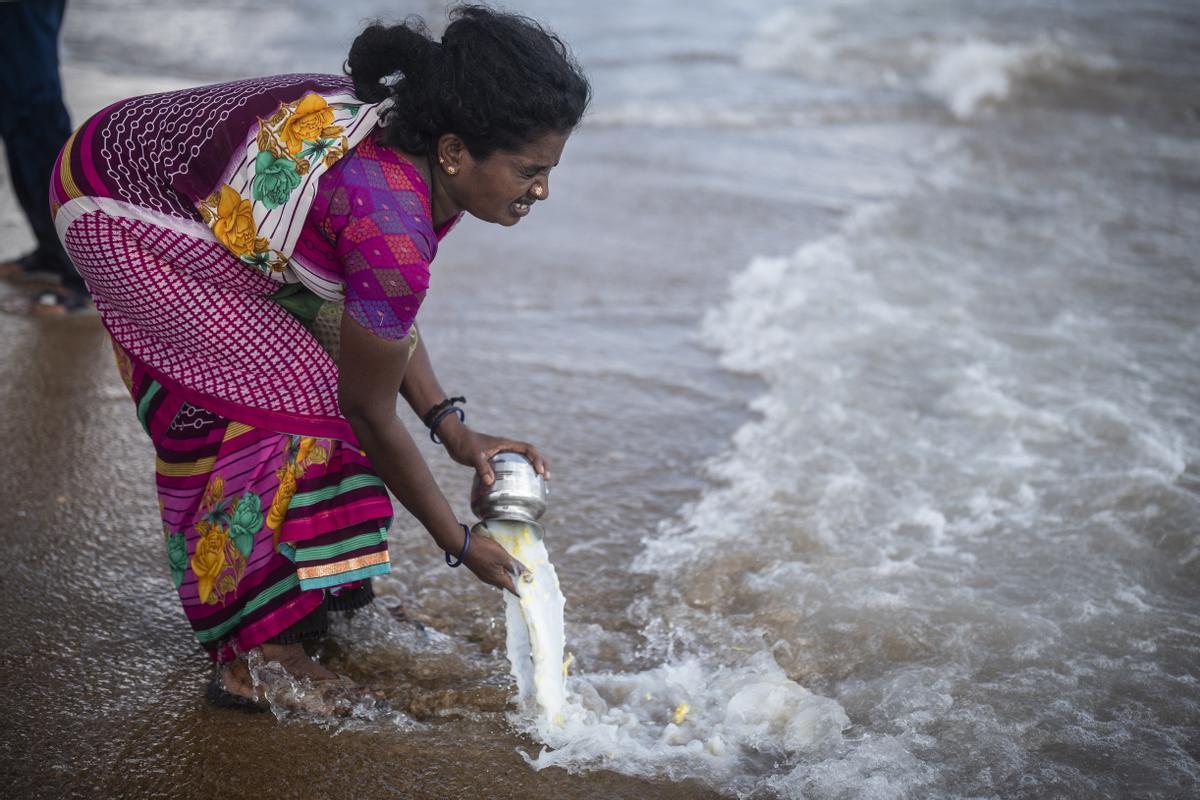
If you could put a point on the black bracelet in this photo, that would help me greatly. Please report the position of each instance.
(429, 417)
(462, 417)
(466, 547)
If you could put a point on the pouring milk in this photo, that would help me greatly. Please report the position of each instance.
(680, 719)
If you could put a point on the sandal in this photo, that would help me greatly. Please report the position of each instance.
(62, 301)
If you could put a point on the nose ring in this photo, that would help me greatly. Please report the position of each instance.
(538, 191)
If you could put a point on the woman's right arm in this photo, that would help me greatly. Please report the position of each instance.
(371, 370)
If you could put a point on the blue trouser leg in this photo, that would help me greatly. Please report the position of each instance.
(33, 120)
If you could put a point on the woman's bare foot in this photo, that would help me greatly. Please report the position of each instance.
(297, 662)
(238, 681)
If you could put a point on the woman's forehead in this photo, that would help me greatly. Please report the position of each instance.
(543, 151)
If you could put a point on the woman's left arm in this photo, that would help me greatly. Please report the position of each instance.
(468, 447)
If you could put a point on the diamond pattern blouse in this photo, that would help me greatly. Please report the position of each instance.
(371, 228)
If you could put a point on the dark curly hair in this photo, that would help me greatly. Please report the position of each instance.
(496, 80)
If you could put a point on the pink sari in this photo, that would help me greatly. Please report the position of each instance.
(182, 212)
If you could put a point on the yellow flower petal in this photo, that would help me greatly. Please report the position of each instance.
(311, 102)
(208, 560)
(229, 203)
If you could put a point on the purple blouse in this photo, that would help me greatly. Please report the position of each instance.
(371, 227)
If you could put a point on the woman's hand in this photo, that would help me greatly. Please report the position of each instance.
(473, 449)
(492, 564)
(469, 448)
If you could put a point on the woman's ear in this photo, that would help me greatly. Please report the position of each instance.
(451, 153)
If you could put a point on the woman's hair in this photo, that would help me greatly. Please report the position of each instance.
(496, 80)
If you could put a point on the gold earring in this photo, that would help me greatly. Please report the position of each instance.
(453, 170)
(538, 190)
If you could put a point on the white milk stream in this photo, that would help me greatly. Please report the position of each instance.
(534, 623)
(681, 719)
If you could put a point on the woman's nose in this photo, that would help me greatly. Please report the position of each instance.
(541, 190)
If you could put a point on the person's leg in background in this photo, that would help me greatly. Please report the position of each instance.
(34, 125)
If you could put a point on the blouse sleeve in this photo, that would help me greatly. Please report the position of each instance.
(385, 259)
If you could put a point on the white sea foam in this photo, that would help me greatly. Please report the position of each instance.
(682, 719)
(793, 40)
(975, 72)
(966, 75)
(688, 719)
(970, 75)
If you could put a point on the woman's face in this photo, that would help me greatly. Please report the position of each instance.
(503, 187)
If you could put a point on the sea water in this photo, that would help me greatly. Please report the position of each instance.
(685, 719)
(947, 253)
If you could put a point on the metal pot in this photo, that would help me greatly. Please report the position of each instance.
(518, 493)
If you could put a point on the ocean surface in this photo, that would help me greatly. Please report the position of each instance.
(863, 337)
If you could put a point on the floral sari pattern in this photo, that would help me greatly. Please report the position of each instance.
(225, 531)
(227, 526)
(299, 453)
(257, 525)
(301, 139)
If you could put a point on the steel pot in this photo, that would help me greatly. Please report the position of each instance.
(518, 493)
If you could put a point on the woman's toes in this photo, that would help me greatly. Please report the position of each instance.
(237, 681)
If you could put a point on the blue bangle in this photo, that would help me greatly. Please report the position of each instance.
(427, 417)
(462, 417)
(466, 547)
